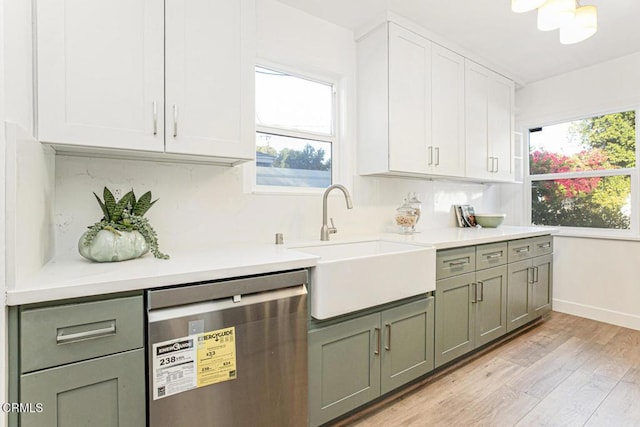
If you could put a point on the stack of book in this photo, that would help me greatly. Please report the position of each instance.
(465, 215)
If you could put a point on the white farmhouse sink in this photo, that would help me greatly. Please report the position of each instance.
(356, 275)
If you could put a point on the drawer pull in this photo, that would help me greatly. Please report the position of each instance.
(544, 245)
(522, 249)
(493, 255)
(62, 338)
(458, 262)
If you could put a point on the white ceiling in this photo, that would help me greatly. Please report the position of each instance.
(496, 35)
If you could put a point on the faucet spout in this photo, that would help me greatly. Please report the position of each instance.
(326, 230)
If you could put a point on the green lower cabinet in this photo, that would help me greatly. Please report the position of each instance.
(470, 312)
(542, 288)
(519, 294)
(407, 347)
(354, 362)
(491, 306)
(107, 391)
(344, 371)
(455, 320)
(530, 290)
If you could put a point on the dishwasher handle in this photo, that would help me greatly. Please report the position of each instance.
(203, 307)
(198, 292)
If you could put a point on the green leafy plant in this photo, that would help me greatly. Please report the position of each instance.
(126, 214)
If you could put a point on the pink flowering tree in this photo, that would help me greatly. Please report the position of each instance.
(587, 202)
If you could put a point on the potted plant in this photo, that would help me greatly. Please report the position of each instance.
(123, 233)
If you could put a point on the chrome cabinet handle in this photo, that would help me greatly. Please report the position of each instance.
(535, 274)
(544, 245)
(377, 350)
(497, 168)
(388, 346)
(155, 118)
(430, 150)
(175, 120)
(481, 286)
(457, 262)
(493, 255)
(522, 250)
(62, 338)
(530, 275)
(474, 293)
(437, 156)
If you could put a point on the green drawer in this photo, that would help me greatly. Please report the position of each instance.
(520, 249)
(491, 255)
(543, 245)
(54, 336)
(452, 262)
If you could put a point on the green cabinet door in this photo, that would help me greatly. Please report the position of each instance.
(107, 391)
(542, 287)
(344, 367)
(455, 317)
(407, 343)
(491, 308)
(519, 306)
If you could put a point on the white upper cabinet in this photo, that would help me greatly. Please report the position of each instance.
(140, 76)
(409, 101)
(489, 124)
(410, 105)
(209, 67)
(424, 110)
(100, 76)
(447, 103)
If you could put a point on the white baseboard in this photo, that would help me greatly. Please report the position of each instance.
(596, 313)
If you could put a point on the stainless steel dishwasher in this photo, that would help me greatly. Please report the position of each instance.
(229, 353)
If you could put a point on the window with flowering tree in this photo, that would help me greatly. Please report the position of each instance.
(581, 171)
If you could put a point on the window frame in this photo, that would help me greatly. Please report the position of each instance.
(333, 138)
(634, 173)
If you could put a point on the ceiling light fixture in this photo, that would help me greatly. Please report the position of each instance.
(581, 27)
(576, 22)
(554, 13)
(520, 6)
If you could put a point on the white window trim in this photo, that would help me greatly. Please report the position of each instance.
(633, 233)
(249, 174)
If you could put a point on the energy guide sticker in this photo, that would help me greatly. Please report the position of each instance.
(194, 361)
(216, 356)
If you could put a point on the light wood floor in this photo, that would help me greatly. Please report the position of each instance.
(566, 371)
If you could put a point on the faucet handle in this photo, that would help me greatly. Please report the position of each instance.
(332, 229)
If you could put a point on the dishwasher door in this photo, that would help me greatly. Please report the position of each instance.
(231, 361)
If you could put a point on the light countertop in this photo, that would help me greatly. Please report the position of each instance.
(445, 238)
(76, 277)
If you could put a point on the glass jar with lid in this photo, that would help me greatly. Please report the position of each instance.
(406, 218)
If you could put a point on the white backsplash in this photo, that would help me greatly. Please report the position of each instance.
(201, 206)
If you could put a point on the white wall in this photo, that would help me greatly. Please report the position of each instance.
(594, 278)
(203, 205)
(599, 88)
(598, 279)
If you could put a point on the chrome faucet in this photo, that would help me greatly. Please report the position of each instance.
(326, 230)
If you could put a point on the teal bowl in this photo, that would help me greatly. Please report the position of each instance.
(489, 220)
